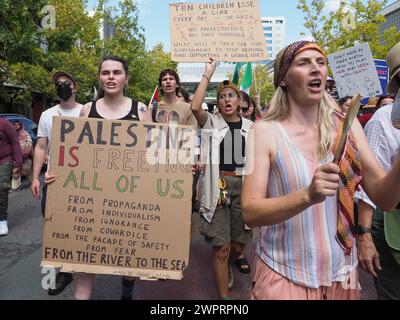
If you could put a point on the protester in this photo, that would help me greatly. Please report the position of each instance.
(257, 104)
(247, 109)
(244, 102)
(384, 100)
(376, 253)
(170, 108)
(183, 95)
(256, 114)
(223, 141)
(344, 104)
(301, 200)
(367, 111)
(25, 142)
(66, 88)
(10, 163)
(112, 104)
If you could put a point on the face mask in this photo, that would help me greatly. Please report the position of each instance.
(64, 91)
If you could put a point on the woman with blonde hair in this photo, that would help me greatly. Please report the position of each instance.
(302, 201)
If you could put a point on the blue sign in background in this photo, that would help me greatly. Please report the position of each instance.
(383, 75)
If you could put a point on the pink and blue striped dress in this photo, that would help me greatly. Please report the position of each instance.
(303, 249)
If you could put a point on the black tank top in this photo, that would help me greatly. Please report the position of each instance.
(133, 115)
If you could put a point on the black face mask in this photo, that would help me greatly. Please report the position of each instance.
(64, 91)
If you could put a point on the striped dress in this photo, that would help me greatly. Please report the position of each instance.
(303, 249)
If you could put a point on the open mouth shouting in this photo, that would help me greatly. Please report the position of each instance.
(315, 86)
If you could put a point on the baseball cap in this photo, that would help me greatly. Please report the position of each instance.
(59, 74)
(227, 84)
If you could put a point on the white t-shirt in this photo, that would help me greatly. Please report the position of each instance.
(384, 141)
(46, 119)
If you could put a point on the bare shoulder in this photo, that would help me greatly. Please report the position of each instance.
(85, 110)
(265, 137)
(264, 127)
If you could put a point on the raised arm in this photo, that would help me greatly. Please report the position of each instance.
(198, 99)
(258, 209)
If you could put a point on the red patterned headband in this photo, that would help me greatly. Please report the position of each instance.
(285, 58)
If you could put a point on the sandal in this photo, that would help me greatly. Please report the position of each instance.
(242, 265)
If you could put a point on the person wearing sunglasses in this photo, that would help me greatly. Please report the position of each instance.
(223, 139)
(66, 88)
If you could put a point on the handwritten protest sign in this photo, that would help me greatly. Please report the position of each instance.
(354, 72)
(226, 31)
(122, 202)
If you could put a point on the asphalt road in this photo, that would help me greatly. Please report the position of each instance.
(21, 277)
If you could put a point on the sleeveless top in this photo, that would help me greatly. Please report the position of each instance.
(133, 114)
(304, 249)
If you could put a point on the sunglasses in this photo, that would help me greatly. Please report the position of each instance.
(61, 83)
(230, 95)
(245, 110)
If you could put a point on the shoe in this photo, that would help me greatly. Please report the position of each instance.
(242, 265)
(62, 281)
(230, 278)
(3, 228)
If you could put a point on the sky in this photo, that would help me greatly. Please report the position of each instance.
(154, 17)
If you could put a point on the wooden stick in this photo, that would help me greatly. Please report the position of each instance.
(348, 122)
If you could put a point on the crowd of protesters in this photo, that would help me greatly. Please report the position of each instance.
(276, 175)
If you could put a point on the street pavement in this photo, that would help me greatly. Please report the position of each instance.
(21, 277)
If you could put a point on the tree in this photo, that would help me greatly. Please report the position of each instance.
(74, 45)
(19, 37)
(354, 22)
(263, 84)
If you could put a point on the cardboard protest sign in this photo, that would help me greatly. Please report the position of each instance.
(354, 72)
(121, 204)
(226, 31)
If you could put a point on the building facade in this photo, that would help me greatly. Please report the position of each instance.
(275, 34)
(392, 14)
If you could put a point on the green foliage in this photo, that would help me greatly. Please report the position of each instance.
(75, 46)
(19, 34)
(355, 22)
(262, 84)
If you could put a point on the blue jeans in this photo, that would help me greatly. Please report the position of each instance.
(5, 186)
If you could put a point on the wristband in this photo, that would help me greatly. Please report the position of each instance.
(209, 80)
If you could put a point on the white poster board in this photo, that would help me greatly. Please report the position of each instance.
(354, 72)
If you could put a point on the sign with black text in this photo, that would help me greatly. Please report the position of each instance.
(228, 31)
(354, 72)
(121, 203)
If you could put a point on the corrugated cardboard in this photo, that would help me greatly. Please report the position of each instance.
(225, 31)
(110, 211)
